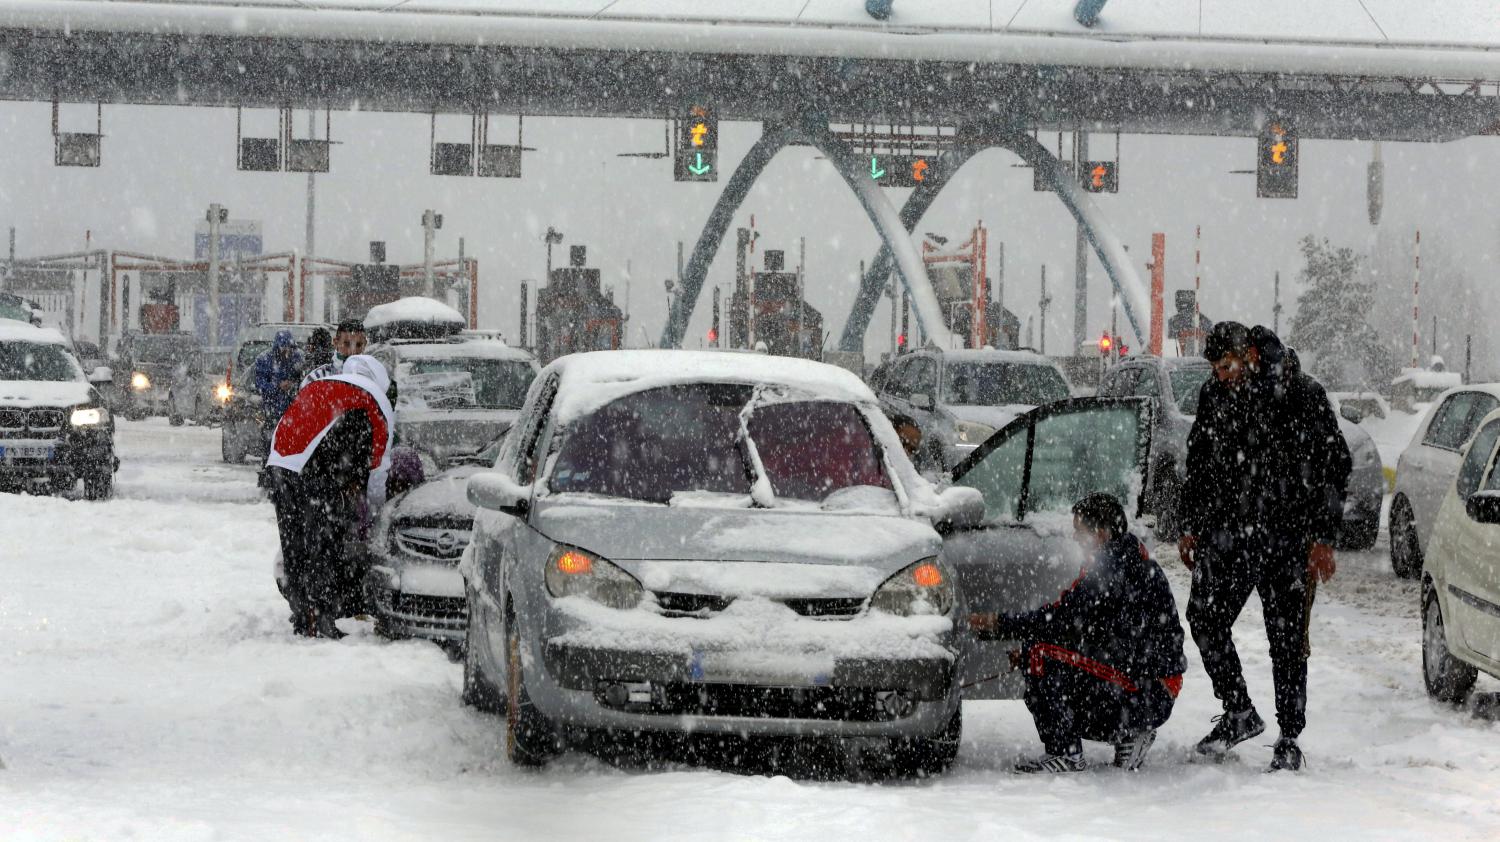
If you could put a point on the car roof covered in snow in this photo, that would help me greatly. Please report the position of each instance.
(993, 355)
(414, 308)
(1424, 379)
(460, 348)
(591, 380)
(12, 330)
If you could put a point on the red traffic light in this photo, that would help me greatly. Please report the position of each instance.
(1105, 343)
(713, 335)
(901, 341)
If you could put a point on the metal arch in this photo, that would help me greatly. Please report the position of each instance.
(1112, 256)
(812, 129)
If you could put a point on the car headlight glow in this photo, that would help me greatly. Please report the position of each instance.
(88, 416)
(970, 432)
(925, 587)
(573, 572)
(139, 381)
(223, 392)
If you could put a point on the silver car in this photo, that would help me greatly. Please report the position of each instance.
(712, 542)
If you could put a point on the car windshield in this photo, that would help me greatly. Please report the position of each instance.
(463, 382)
(660, 443)
(1001, 383)
(1186, 382)
(249, 350)
(37, 361)
(163, 349)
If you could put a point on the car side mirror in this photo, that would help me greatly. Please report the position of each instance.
(1351, 414)
(924, 401)
(102, 374)
(498, 492)
(1484, 506)
(960, 508)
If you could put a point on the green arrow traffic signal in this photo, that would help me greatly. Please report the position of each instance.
(698, 167)
(875, 170)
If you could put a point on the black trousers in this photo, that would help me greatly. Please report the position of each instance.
(1068, 705)
(313, 517)
(1229, 567)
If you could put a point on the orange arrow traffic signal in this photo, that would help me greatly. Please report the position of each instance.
(698, 131)
(1278, 152)
(919, 170)
(1098, 173)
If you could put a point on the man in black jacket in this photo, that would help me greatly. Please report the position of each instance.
(1262, 506)
(1104, 662)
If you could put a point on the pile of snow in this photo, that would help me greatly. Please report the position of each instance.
(1422, 378)
(414, 309)
(12, 330)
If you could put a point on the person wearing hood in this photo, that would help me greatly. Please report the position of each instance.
(276, 377)
(1267, 470)
(317, 354)
(1104, 661)
(331, 448)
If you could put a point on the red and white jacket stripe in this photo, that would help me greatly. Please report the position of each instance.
(318, 405)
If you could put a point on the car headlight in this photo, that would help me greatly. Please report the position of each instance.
(573, 572)
(922, 588)
(972, 433)
(223, 392)
(88, 416)
(139, 381)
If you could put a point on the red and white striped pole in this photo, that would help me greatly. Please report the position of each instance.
(1416, 300)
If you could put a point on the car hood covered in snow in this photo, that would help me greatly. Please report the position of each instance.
(26, 393)
(443, 496)
(741, 552)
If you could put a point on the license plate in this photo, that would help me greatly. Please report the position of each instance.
(25, 451)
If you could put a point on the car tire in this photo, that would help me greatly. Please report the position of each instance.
(99, 485)
(1406, 549)
(1164, 500)
(530, 740)
(230, 445)
(1361, 534)
(478, 692)
(928, 756)
(1448, 679)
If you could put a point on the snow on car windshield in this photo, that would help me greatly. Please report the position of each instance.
(463, 382)
(659, 443)
(998, 384)
(36, 361)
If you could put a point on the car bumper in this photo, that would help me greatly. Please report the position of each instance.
(424, 601)
(1366, 492)
(66, 459)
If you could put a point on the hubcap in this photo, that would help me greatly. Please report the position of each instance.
(1435, 649)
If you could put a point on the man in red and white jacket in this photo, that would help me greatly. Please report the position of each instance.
(331, 446)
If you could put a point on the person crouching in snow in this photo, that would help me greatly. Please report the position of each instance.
(1104, 662)
(331, 447)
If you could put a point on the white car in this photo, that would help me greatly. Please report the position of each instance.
(1461, 577)
(1426, 469)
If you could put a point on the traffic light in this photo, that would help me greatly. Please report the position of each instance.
(713, 331)
(1105, 344)
(1276, 163)
(696, 153)
(1100, 177)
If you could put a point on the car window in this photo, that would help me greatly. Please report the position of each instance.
(893, 383)
(1451, 422)
(526, 456)
(920, 377)
(1483, 405)
(1001, 383)
(1472, 470)
(810, 449)
(463, 382)
(1187, 382)
(1145, 385)
(37, 361)
(1119, 383)
(998, 476)
(1075, 453)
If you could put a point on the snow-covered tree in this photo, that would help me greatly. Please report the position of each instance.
(1331, 329)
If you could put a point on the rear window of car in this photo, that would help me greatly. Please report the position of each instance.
(463, 382)
(1001, 383)
(163, 349)
(1187, 382)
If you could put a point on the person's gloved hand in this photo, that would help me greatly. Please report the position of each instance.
(1320, 563)
(982, 624)
(1185, 547)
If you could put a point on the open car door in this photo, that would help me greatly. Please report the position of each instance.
(1030, 473)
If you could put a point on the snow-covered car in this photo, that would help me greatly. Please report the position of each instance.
(145, 366)
(455, 394)
(242, 415)
(1461, 573)
(1425, 472)
(1174, 383)
(958, 398)
(54, 426)
(414, 588)
(712, 542)
(1357, 406)
(200, 389)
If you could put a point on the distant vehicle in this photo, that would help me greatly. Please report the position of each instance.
(144, 368)
(455, 394)
(1357, 406)
(1174, 383)
(54, 427)
(1460, 591)
(1414, 388)
(413, 586)
(1427, 467)
(960, 398)
(241, 433)
(729, 544)
(200, 389)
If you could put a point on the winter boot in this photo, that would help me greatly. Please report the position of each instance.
(1131, 748)
(326, 628)
(1230, 730)
(1068, 761)
(1286, 756)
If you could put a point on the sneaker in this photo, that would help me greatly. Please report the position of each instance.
(1130, 750)
(1069, 761)
(1286, 756)
(1230, 730)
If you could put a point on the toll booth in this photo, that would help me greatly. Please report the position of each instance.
(573, 313)
(783, 320)
(963, 290)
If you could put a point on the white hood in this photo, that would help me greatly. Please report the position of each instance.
(29, 393)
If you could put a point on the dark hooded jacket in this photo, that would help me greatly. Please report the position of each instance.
(1120, 613)
(1267, 456)
(274, 366)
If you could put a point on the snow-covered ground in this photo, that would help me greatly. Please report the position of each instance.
(151, 689)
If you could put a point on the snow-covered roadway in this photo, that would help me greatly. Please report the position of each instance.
(151, 689)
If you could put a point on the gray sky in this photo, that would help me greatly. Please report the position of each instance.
(162, 166)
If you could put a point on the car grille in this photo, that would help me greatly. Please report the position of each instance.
(437, 543)
(843, 704)
(34, 422)
(701, 605)
(431, 607)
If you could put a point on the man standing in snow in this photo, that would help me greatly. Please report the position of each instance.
(276, 379)
(331, 448)
(1104, 662)
(1261, 508)
(349, 340)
